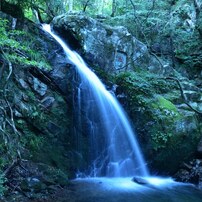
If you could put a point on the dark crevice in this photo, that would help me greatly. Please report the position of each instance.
(69, 38)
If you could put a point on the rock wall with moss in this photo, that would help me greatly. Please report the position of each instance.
(168, 129)
(36, 145)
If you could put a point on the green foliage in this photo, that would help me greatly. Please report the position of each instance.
(35, 143)
(165, 115)
(160, 139)
(47, 8)
(143, 82)
(56, 7)
(165, 105)
(142, 90)
(29, 139)
(16, 52)
(151, 103)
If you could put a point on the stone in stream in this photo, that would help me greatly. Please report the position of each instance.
(140, 180)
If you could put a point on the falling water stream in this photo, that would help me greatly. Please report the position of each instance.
(114, 151)
(114, 154)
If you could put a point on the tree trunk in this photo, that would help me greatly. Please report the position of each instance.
(85, 5)
(65, 3)
(197, 6)
(113, 8)
(70, 6)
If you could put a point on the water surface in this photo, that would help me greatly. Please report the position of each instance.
(124, 190)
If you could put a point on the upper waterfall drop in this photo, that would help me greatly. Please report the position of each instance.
(113, 148)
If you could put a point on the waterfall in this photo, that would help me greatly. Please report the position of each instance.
(113, 148)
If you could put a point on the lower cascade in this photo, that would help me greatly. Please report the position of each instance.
(113, 149)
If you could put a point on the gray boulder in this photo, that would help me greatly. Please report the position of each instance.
(112, 48)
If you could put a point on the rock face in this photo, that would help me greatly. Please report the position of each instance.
(112, 48)
(191, 172)
(38, 108)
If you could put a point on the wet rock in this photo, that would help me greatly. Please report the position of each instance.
(192, 95)
(191, 172)
(17, 113)
(25, 97)
(61, 71)
(53, 128)
(32, 184)
(39, 87)
(139, 180)
(188, 124)
(47, 102)
(23, 108)
(23, 83)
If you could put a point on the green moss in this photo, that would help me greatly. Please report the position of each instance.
(166, 104)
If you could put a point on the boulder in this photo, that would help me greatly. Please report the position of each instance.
(48, 101)
(23, 83)
(112, 48)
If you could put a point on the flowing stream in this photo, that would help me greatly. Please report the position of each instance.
(114, 151)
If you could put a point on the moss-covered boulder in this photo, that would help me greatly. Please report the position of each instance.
(168, 135)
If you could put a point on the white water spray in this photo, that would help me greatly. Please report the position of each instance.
(114, 151)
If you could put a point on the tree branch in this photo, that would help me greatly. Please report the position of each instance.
(197, 7)
(183, 95)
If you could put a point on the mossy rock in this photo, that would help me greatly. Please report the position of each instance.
(168, 135)
(164, 104)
